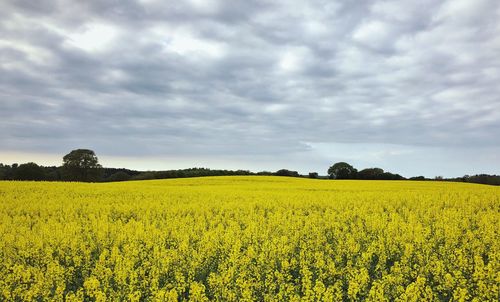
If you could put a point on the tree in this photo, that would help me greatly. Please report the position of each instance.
(118, 176)
(53, 173)
(285, 172)
(266, 173)
(4, 171)
(371, 173)
(313, 175)
(390, 176)
(342, 170)
(81, 165)
(29, 171)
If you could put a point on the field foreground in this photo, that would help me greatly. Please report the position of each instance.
(249, 239)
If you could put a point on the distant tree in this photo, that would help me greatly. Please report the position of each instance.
(465, 178)
(81, 165)
(313, 174)
(53, 173)
(29, 171)
(390, 176)
(107, 172)
(265, 173)
(4, 170)
(144, 176)
(482, 179)
(7, 171)
(285, 172)
(242, 172)
(371, 173)
(118, 176)
(342, 170)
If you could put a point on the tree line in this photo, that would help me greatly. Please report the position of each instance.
(343, 170)
(83, 165)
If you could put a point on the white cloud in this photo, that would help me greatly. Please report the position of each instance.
(94, 37)
(188, 45)
(463, 11)
(292, 60)
(182, 41)
(374, 34)
(206, 6)
(34, 54)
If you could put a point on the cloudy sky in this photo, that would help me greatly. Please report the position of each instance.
(410, 86)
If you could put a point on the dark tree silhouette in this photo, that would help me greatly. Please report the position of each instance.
(371, 173)
(313, 175)
(81, 165)
(29, 171)
(118, 176)
(285, 172)
(342, 170)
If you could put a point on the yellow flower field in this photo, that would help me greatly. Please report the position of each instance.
(249, 239)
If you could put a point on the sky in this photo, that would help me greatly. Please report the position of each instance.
(411, 86)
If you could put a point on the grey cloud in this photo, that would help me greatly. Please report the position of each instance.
(254, 78)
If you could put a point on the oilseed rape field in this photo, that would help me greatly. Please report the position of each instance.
(249, 239)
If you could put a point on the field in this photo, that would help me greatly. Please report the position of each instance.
(249, 239)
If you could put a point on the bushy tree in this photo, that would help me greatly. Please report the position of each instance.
(29, 171)
(53, 173)
(118, 176)
(342, 170)
(4, 171)
(370, 173)
(81, 165)
(285, 172)
(390, 176)
(265, 173)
